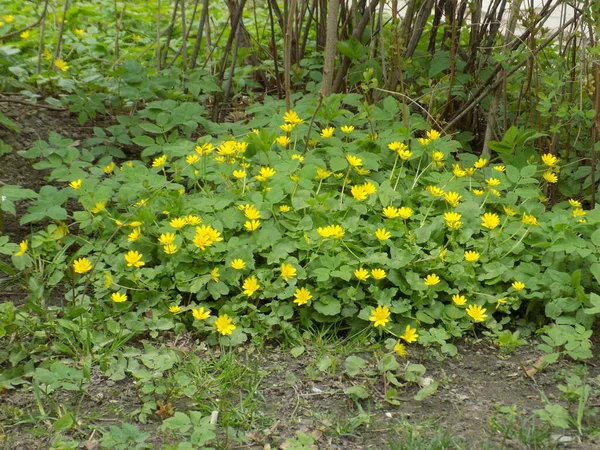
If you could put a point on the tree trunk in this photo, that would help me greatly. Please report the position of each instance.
(330, 51)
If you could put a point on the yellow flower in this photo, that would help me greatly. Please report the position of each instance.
(250, 286)
(192, 159)
(431, 280)
(400, 349)
(284, 208)
(347, 129)
(109, 168)
(459, 300)
(175, 309)
(476, 312)
(252, 225)
(442, 255)
(490, 221)
(23, 246)
(378, 274)
(108, 280)
(327, 132)
(397, 146)
(369, 188)
(549, 159)
(509, 211)
(204, 149)
(238, 264)
(453, 220)
(224, 325)
(117, 297)
(79, 32)
(295, 178)
(354, 161)
(287, 127)
(501, 301)
(480, 163)
(438, 156)
(458, 171)
(8, 18)
(214, 274)
(550, 177)
(206, 236)
(170, 249)
(432, 135)
(98, 207)
(410, 334)
(500, 168)
(423, 141)
(200, 313)
(492, 182)
(82, 265)
(323, 174)
(292, 117)
(265, 172)
(284, 141)
(166, 238)
(302, 296)
(25, 34)
(574, 203)
(287, 271)
(453, 198)
(405, 212)
(61, 65)
(359, 193)
(251, 213)
(404, 154)
(578, 212)
(471, 256)
(436, 191)
(159, 161)
(135, 224)
(382, 234)
(134, 259)
(518, 285)
(478, 192)
(390, 212)
(529, 219)
(178, 222)
(193, 220)
(331, 231)
(298, 157)
(380, 316)
(135, 235)
(76, 184)
(362, 274)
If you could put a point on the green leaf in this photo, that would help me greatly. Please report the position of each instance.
(179, 421)
(351, 48)
(357, 392)
(150, 128)
(297, 351)
(595, 269)
(64, 423)
(596, 238)
(4, 120)
(143, 141)
(328, 306)
(355, 365)
(427, 391)
(595, 301)
(388, 363)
